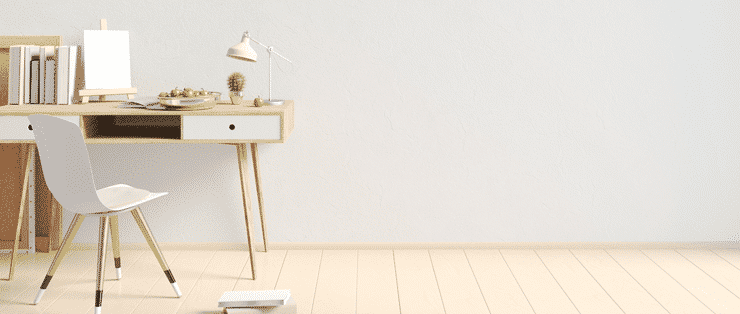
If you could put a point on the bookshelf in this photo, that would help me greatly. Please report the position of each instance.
(47, 223)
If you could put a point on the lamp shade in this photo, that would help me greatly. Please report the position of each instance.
(243, 51)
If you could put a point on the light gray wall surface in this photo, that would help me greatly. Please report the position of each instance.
(426, 121)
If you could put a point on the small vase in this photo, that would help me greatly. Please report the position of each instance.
(236, 98)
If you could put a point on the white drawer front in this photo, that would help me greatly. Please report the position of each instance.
(231, 127)
(16, 127)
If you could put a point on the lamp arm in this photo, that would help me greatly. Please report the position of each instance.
(270, 49)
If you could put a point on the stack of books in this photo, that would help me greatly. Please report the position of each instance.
(253, 302)
(42, 74)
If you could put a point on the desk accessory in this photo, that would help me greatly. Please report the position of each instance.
(254, 298)
(243, 51)
(107, 64)
(236, 85)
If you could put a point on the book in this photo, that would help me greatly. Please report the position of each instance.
(254, 298)
(42, 75)
(49, 82)
(34, 97)
(15, 75)
(62, 74)
(142, 103)
(46, 53)
(71, 74)
(290, 307)
(30, 53)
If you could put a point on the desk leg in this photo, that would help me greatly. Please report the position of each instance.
(255, 163)
(28, 150)
(241, 152)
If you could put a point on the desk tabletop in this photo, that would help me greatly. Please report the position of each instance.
(223, 108)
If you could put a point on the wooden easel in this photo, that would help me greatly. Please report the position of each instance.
(102, 93)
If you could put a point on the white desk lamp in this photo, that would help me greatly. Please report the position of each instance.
(243, 51)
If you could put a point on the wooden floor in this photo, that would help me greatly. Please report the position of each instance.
(395, 281)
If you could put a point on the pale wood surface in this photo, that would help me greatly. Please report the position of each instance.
(336, 288)
(457, 284)
(350, 281)
(542, 290)
(694, 279)
(299, 274)
(666, 291)
(110, 108)
(377, 292)
(618, 283)
(498, 285)
(577, 283)
(418, 291)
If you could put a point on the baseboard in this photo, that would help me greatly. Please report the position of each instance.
(423, 245)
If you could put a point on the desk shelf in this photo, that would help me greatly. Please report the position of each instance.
(102, 127)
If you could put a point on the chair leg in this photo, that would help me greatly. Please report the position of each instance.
(102, 244)
(116, 245)
(66, 243)
(155, 248)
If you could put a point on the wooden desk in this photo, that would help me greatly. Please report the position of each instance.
(104, 123)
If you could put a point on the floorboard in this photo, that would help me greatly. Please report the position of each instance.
(538, 284)
(336, 287)
(377, 291)
(587, 295)
(498, 285)
(696, 281)
(299, 274)
(658, 283)
(418, 291)
(511, 281)
(457, 285)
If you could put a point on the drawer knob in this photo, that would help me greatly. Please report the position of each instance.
(231, 127)
(30, 128)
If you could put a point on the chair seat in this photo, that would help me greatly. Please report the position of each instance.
(121, 196)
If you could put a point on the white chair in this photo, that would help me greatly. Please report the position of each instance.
(66, 166)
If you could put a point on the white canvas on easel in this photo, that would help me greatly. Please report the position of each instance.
(107, 60)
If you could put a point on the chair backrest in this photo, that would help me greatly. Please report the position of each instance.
(66, 164)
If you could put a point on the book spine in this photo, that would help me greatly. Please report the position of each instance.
(42, 75)
(34, 82)
(13, 74)
(49, 93)
(73, 51)
(62, 75)
(22, 76)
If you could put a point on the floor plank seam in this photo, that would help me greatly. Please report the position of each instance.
(465, 252)
(597, 282)
(434, 271)
(196, 282)
(517, 281)
(280, 272)
(70, 285)
(313, 301)
(674, 279)
(556, 281)
(398, 291)
(710, 276)
(174, 262)
(106, 290)
(241, 273)
(720, 256)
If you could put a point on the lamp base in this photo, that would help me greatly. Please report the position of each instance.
(276, 102)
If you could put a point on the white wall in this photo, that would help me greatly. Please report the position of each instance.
(441, 120)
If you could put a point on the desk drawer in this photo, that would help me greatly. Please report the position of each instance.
(16, 127)
(231, 127)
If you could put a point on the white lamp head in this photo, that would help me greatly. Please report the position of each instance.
(243, 51)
